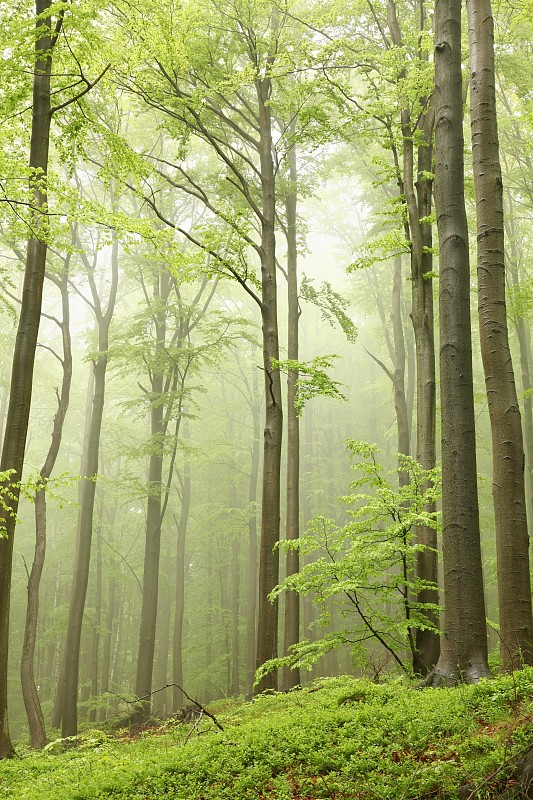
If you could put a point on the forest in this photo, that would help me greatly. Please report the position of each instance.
(266, 384)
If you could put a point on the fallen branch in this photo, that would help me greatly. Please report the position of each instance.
(170, 686)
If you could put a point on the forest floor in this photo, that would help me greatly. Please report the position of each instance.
(338, 739)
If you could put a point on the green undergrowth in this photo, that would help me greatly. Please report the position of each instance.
(339, 739)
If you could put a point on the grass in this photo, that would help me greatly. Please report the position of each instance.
(340, 739)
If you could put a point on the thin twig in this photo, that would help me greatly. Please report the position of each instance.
(169, 686)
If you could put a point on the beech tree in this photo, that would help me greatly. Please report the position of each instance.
(464, 641)
(512, 542)
(48, 27)
(103, 311)
(392, 64)
(170, 361)
(237, 125)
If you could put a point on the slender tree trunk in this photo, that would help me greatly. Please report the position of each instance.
(251, 611)
(208, 684)
(267, 628)
(52, 650)
(145, 657)
(464, 642)
(108, 637)
(400, 401)
(235, 617)
(18, 413)
(418, 201)
(523, 336)
(525, 374)
(427, 641)
(94, 659)
(291, 677)
(85, 515)
(181, 528)
(508, 490)
(29, 688)
(114, 673)
(411, 383)
(160, 706)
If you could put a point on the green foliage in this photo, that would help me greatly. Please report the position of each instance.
(380, 248)
(312, 381)
(27, 489)
(331, 304)
(366, 567)
(339, 737)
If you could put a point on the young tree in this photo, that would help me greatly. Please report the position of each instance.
(464, 642)
(512, 542)
(366, 567)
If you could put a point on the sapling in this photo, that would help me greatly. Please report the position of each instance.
(365, 569)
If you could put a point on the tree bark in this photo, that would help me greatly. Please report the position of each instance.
(267, 626)
(80, 581)
(291, 677)
(29, 689)
(94, 652)
(251, 612)
(418, 202)
(508, 490)
(181, 530)
(522, 334)
(145, 657)
(109, 622)
(18, 413)
(464, 642)
(427, 641)
(235, 681)
(160, 705)
(400, 401)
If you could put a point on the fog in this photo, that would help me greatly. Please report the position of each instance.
(220, 457)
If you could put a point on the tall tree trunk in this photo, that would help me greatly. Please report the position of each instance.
(80, 580)
(52, 650)
(152, 547)
(400, 401)
(251, 602)
(94, 659)
(235, 682)
(523, 335)
(411, 383)
(18, 413)
(508, 491)
(427, 641)
(464, 642)
(108, 634)
(418, 201)
(291, 677)
(160, 706)
(181, 528)
(208, 683)
(267, 625)
(29, 688)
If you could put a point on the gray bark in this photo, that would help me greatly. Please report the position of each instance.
(464, 642)
(508, 490)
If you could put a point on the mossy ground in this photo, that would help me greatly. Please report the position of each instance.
(340, 739)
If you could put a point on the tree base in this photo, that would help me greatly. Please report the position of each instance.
(446, 674)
